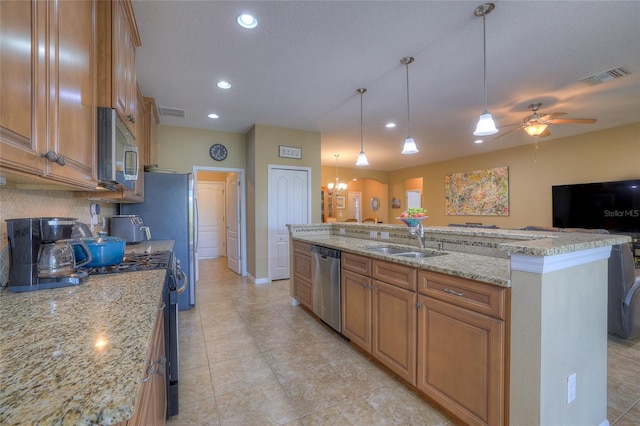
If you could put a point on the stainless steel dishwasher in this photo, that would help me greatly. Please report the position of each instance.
(326, 286)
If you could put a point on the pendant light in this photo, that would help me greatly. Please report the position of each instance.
(362, 157)
(486, 126)
(409, 144)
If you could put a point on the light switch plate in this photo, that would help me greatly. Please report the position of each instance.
(373, 234)
(342, 231)
(290, 152)
(384, 235)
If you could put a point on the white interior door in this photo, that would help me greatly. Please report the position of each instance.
(233, 219)
(211, 219)
(353, 205)
(289, 203)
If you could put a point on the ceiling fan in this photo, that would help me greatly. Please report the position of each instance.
(537, 125)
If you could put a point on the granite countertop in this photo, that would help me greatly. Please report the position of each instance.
(76, 355)
(479, 267)
(472, 266)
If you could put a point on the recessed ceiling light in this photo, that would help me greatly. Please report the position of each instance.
(247, 21)
(478, 141)
(390, 125)
(224, 85)
(212, 115)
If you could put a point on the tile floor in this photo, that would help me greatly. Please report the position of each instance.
(248, 357)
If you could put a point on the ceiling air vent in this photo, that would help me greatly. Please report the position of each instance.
(174, 112)
(604, 76)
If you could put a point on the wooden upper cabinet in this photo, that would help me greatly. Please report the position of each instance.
(118, 40)
(152, 121)
(72, 106)
(47, 80)
(21, 67)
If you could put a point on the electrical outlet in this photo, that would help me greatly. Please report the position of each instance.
(342, 231)
(373, 234)
(571, 388)
(384, 235)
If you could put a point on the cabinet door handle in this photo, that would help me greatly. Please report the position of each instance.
(456, 293)
(131, 118)
(55, 158)
(162, 365)
(150, 371)
(419, 305)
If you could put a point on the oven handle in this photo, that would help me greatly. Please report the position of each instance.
(182, 278)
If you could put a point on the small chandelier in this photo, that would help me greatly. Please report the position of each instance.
(362, 157)
(486, 125)
(337, 186)
(409, 144)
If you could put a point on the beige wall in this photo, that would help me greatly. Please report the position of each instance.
(181, 148)
(263, 148)
(606, 155)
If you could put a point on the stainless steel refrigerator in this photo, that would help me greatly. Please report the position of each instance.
(170, 211)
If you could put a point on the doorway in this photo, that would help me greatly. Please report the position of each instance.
(220, 175)
(211, 223)
(354, 206)
(289, 202)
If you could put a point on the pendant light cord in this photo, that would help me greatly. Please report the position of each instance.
(361, 143)
(408, 115)
(484, 49)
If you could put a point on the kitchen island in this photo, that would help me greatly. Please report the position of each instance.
(550, 323)
(77, 354)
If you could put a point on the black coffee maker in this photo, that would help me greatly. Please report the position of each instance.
(42, 254)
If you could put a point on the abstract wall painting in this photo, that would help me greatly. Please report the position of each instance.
(478, 193)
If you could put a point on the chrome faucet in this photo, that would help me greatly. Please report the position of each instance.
(418, 231)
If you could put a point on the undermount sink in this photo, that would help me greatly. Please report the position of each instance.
(418, 254)
(388, 249)
(403, 252)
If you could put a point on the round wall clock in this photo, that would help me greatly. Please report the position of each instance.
(218, 152)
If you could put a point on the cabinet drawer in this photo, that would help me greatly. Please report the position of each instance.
(302, 266)
(356, 263)
(394, 273)
(302, 292)
(480, 297)
(300, 247)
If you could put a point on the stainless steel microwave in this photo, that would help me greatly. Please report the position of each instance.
(117, 151)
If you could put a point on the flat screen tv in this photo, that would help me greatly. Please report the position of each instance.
(614, 206)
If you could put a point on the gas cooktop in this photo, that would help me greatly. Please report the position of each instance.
(136, 262)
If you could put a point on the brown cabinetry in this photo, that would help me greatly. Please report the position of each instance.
(379, 312)
(48, 102)
(151, 403)
(356, 307)
(302, 289)
(152, 120)
(394, 329)
(118, 39)
(462, 340)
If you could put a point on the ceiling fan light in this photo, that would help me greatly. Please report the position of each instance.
(535, 129)
(362, 159)
(485, 126)
(410, 146)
